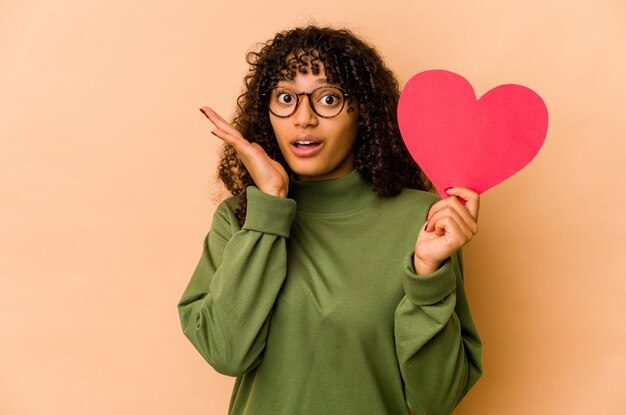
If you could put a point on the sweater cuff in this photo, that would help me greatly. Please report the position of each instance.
(428, 289)
(268, 214)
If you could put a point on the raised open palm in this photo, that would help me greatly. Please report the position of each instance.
(268, 174)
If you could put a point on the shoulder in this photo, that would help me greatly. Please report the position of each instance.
(412, 198)
(225, 211)
(404, 213)
(409, 204)
(229, 204)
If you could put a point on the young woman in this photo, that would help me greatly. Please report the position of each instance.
(331, 282)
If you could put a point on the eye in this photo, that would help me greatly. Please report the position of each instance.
(329, 100)
(285, 98)
(328, 97)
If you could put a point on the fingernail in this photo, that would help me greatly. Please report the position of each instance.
(448, 188)
(425, 226)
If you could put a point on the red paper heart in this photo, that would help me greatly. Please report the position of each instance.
(458, 140)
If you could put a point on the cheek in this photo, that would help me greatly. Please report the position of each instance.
(350, 132)
(278, 127)
(279, 133)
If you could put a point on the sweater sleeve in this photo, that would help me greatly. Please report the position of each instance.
(226, 307)
(437, 344)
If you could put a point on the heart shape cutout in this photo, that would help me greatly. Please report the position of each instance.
(458, 140)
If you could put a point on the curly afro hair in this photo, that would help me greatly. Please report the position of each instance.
(381, 157)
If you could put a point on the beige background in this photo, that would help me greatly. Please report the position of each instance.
(106, 170)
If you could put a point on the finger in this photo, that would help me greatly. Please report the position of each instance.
(231, 139)
(436, 207)
(451, 202)
(243, 147)
(472, 199)
(466, 224)
(260, 166)
(213, 116)
(443, 216)
(469, 221)
(246, 152)
(441, 204)
(453, 230)
(219, 122)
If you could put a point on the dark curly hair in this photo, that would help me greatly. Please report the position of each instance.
(381, 157)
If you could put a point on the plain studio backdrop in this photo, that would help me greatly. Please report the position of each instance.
(107, 190)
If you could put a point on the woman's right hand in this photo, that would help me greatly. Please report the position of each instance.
(268, 175)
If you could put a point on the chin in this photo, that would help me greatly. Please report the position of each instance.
(311, 169)
(309, 172)
(306, 174)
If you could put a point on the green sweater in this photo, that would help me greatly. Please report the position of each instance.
(314, 305)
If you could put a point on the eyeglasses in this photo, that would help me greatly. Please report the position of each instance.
(326, 101)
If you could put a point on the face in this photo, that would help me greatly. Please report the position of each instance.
(316, 148)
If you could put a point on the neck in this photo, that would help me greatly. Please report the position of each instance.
(339, 195)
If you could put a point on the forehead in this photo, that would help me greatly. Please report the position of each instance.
(314, 81)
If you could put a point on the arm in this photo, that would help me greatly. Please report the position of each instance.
(226, 307)
(437, 343)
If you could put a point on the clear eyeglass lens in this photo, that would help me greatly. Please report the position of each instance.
(326, 101)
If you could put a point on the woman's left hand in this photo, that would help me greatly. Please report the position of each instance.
(449, 226)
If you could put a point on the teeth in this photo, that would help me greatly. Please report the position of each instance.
(305, 143)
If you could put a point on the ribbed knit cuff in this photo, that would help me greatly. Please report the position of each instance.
(431, 288)
(269, 214)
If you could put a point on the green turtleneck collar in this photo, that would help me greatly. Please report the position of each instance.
(340, 195)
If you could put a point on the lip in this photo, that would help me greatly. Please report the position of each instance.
(306, 151)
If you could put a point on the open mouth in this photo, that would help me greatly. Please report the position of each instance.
(306, 146)
(306, 143)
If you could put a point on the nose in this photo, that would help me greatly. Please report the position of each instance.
(304, 115)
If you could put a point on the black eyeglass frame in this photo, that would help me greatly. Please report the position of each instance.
(268, 95)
